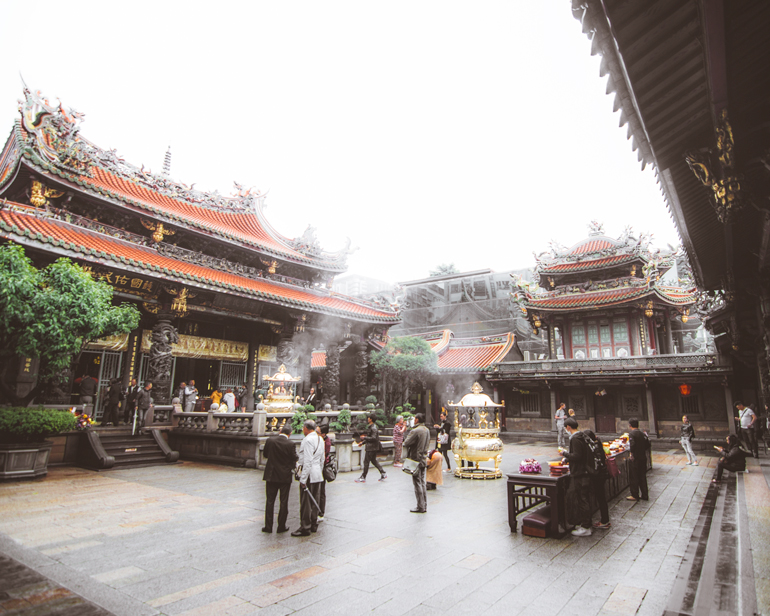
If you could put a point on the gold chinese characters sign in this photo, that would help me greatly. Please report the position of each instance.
(205, 348)
(268, 353)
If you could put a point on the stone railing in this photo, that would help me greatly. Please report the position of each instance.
(258, 423)
(688, 362)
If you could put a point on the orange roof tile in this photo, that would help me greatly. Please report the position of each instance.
(603, 298)
(19, 226)
(318, 360)
(576, 266)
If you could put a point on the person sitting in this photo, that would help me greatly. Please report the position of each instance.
(433, 475)
(733, 460)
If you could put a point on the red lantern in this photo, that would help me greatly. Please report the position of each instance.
(685, 389)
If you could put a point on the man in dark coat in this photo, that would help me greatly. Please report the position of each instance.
(580, 480)
(88, 387)
(640, 445)
(114, 396)
(372, 440)
(131, 393)
(281, 456)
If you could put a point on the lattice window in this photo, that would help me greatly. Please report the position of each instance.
(530, 404)
(232, 374)
(632, 406)
(690, 405)
(578, 404)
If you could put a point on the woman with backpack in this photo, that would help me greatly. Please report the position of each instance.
(599, 478)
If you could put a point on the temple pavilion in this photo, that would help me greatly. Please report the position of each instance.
(623, 341)
(225, 298)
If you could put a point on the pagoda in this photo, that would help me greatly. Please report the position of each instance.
(226, 299)
(623, 341)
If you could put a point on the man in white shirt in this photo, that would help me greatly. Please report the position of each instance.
(190, 396)
(311, 457)
(747, 418)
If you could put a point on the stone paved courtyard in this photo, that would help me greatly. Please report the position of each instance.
(186, 539)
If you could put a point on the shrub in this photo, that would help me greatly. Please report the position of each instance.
(343, 422)
(29, 425)
(301, 415)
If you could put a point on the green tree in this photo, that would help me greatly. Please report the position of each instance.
(444, 270)
(51, 314)
(404, 363)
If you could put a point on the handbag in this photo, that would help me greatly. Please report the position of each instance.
(612, 467)
(410, 466)
(443, 438)
(330, 472)
(330, 469)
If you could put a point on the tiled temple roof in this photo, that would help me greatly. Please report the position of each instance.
(589, 300)
(592, 264)
(47, 139)
(454, 354)
(20, 224)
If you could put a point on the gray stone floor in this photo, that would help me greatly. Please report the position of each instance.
(185, 539)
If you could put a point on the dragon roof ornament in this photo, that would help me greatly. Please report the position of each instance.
(51, 134)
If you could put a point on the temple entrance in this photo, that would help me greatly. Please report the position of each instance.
(604, 413)
(204, 371)
(103, 366)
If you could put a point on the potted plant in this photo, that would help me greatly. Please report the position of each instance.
(23, 449)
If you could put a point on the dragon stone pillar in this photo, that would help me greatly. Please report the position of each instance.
(164, 334)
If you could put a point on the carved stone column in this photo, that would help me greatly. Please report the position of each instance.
(332, 373)
(164, 334)
(360, 386)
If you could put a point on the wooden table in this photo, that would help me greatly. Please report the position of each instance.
(527, 491)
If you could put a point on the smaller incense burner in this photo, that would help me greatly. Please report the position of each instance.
(478, 435)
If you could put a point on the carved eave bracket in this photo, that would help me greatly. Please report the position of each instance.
(715, 168)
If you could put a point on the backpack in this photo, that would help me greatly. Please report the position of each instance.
(596, 459)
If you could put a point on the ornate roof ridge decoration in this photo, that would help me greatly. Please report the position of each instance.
(50, 135)
(596, 246)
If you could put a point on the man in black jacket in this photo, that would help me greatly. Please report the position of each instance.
(143, 404)
(114, 397)
(131, 394)
(580, 480)
(372, 440)
(281, 456)
(640, 444)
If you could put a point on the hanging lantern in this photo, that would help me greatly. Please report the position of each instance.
(685, 316)
(538, 323)
(648, 312)
(685, 389)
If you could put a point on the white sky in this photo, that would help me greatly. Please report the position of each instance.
(427, 132)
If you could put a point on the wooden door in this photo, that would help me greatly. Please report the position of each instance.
(604, 416)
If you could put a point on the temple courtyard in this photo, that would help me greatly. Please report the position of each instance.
(186, 539)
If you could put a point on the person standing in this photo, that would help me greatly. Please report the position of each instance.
(241, 394)
(372, 439)
(580, 481)
(747, 418)
(640, 445)
(281, 456)
(598, 479)
(143, 404)
(311, 399)
(399, 429)
(561, 433)
(190, 396)
(323, 432)
(229, 400)
(686, 439)
(442, 439)
(416, 444)
(131, 394)
(88, 387)
(216, 396)
(114, 396)
(433, 475)
(311, 456)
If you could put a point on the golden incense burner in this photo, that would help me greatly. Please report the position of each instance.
(478, 435)
(280, 393)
